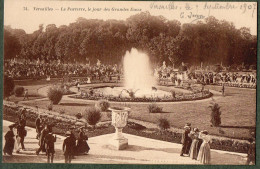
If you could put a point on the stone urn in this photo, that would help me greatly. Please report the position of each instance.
(119, 121)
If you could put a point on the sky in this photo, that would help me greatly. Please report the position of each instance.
(28, 15)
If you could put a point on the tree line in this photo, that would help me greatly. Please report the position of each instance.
(210, 41)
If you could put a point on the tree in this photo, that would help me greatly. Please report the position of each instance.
(92, 116)
(12, 46)
(211, 42)
(8, 86)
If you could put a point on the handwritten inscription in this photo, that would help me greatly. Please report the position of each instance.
(194, 12)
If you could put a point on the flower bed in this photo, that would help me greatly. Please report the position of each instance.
(63, 122)
(177, 98)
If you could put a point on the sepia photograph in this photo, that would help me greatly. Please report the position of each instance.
(129, 82)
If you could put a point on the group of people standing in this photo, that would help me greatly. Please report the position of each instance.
(71, 145)
(195, 144)
(15, 136)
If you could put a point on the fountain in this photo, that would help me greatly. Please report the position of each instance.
(137, 71)
(138, 77)
(139, 81)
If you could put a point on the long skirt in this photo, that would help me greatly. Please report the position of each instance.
(17, 144)
(204, 153)
(194, 149)
(9, 146)
(82, 147)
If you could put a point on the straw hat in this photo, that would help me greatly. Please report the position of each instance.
(11, 126)
(68, 133)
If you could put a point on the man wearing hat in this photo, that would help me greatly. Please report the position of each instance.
(73, 138)
(21, 131)
(9, 141)
(186, 140)
(67, 147)
(38, 124)
(50, 139)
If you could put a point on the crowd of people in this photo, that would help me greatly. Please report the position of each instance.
(166, 74)
(223, 77)
(196, 145)
(36, 70)
(72, 145)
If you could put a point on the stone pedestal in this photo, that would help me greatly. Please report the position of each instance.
(119, 121)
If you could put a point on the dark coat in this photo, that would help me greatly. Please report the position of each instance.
(22, 121)
(68, 146)
(44, 132)
(49, 143)
(38, 122)
(185, 137)
(9, 142)
(186, 142)
(21, 132)
(82, 146)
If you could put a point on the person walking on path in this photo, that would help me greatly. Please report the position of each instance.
(223, 89)
(194, 145)
(185, 140)
(82, 145)
(67, 147)
(78, 86)
(44, 132)
(38, 124)
(9, 141)
(74, 139)
(50, 139)
(16, 138)
(204, 153)
(26, 95)
(21, 131)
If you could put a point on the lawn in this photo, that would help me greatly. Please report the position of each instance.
(238, 109)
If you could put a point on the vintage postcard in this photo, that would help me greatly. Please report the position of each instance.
(129, 82)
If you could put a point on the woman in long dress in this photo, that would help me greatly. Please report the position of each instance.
(204, 153)
(9, 141)
(17, 140)
(194, 145)
(82, 145)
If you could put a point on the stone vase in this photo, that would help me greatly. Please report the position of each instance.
(119, 121)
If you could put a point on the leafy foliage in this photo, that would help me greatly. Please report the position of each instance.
(215, 114)
(163, 40)
(55, 95)
(163, 124)
(153, 108)
(78, 115)
(50, 107)
(18, 91)
(103, 105)
(92, 115)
